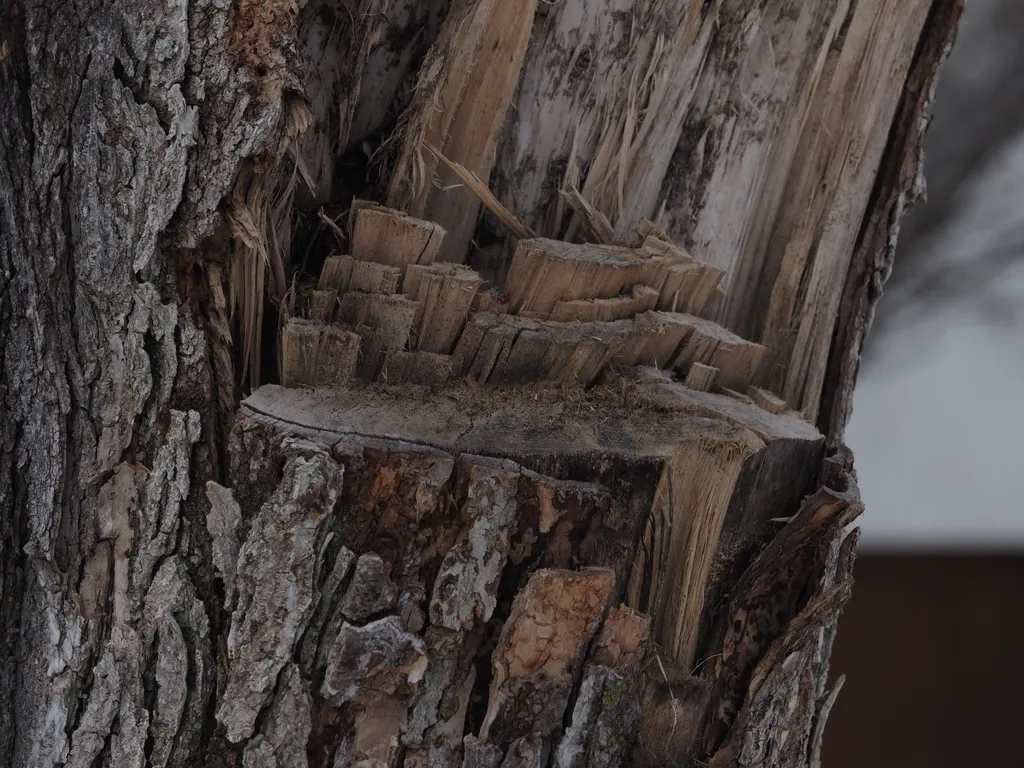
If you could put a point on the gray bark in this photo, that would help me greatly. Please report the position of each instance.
(176, 587)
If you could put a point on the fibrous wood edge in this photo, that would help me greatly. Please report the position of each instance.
(416, 368)
(445, 294)
(681, 539)
(316, 354)
(391, 238)
(615, 118)
(900, 185)
(640, 299)
(835, 167)
(545, 272)
(516, 349)
(345, 273)
(785, 244)
(390, 316)
(462, 97)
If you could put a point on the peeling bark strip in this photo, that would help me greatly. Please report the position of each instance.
(544, 641)
(358, 571)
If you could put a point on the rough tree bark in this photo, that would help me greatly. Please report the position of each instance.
(546, 510)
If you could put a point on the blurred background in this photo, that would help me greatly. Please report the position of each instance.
(932, 643)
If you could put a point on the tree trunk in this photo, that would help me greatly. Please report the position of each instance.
(539, 465)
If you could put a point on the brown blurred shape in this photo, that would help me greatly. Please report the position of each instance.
(931, 647)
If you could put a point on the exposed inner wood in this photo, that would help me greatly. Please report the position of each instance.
(463, 93)
(345, 273)
(445, 295)
(546, 637)
(701, 377)
(391, 238)
(561, 510)
(566, 315)
(641, 477)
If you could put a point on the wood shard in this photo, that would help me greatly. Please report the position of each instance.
(690, 285)
(701, 377)
(322, 304)
(336, 273)
(767, 400)
(392, 238)
(344, 274)
(316, 355)
(736, 359)
(641, 298)
(424, 368)
(510, 349)
(460, 107)
(391, 316)
(445, 294)
(682, 537)
(553, 619)
(656, 338)
(544, 272)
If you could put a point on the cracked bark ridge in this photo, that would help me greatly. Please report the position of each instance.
(437, 718)
(276, 581)
(465, 592)
(607, 708)
(542, 646)
(282, 740)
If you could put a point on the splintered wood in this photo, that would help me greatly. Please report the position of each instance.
(568, 315)
(392, 238)
(484, 541)
(462, 97)
(445, 294)
(546, 272)
(482, 520)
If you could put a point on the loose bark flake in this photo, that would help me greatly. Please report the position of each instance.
(371, 590)
(607, 708)
(542, 645)
(466, 586)
(276, 589)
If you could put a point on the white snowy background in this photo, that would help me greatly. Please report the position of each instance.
(938, 423)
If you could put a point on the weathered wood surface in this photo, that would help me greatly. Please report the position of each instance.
(572, 486)
(173, 598)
